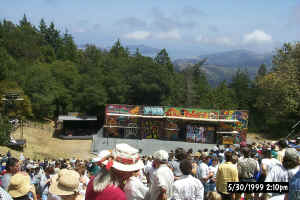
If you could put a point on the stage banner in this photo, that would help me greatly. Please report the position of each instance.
(191, 113)
(123, 109)
(156, 111)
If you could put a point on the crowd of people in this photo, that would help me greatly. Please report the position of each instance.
(124, 173)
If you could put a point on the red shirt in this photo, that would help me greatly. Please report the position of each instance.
(109, 193)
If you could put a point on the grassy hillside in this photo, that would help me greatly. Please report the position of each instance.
(41, 144)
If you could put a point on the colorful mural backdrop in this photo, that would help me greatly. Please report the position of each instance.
(191, 113)
(131, 127)
(195, 134)
(123, 109)
(158, 111)
(151, 128)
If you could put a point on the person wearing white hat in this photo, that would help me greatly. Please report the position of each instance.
(163, 178)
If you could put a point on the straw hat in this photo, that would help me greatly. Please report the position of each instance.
(19, 185)
(126, 158)
(66, 182)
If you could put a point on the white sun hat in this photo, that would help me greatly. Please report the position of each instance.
(126, 158)
(102, 155)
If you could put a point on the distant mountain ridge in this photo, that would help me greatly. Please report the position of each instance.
(222, 66)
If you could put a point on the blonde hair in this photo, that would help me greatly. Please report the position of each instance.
(214, 196)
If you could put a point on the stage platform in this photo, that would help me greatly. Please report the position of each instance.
(149, 146)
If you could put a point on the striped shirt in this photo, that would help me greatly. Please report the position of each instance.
(4, 195)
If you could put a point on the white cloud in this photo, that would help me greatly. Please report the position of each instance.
(138, 35)
(257, 36)
(169, 35)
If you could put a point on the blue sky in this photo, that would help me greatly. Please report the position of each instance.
(184, 28)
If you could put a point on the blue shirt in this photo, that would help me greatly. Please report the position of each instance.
(294, 187)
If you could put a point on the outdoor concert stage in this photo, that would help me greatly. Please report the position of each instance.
(149, 146)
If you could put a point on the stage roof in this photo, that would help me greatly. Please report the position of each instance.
(76, 118)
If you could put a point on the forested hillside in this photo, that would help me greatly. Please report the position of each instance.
(55, 77)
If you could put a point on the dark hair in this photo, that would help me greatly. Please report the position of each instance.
(282, 144)
(25, 197)
(228, 156)
(11, 162)
(186, 167)
(246, 151)
(267, 153)
(290, 163)
(180, 154)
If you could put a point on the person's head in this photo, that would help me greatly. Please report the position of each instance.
(290, 159)
(124, 163)
(228, 156)
(197, 156)
(267, 153)
(214, 196)
(12, 165)
(186, 167)
(20, 186)
(160, 157)
(180, 154)
(246, 152)
(65, 184)
(215, 161)
(282, 144)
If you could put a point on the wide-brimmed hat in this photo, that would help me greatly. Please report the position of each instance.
(126, 158)
(66, 182)
(102, 155)
(19, 185)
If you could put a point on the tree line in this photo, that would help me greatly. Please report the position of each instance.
(55, 77)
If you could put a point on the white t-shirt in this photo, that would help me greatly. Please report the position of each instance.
(213, 169)
(135, 189)
(269, 163)
(202, 171)
(188, 188)
(162, 178)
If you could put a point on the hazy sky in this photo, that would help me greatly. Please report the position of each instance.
(185, 28)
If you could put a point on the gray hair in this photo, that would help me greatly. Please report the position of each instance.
(102, 180)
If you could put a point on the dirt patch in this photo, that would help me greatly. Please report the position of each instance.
(41, 144)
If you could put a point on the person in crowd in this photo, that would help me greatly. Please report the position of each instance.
(247, 168)
(267, 162)
(282, 147)
(187, 187)
(203, 172)
(12, 167)
(214, 196)
(4, 195)
(294, 188)
(227, 172)
(20, 187)
(284, 172)
(180, 154)
(105, 185)
(84, 179)
(163, 178)
(64, 186)
(126, 167)
(212, 170)
(45, 182)
(291, 162)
